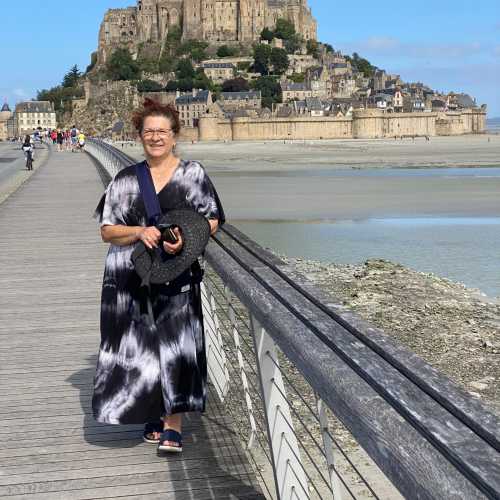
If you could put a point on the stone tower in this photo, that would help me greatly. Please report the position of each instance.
(214, 21)
(252, 19)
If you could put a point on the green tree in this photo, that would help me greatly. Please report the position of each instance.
(285, 29)
(266, 34)
(148, 86)
(279, 60)
(312, 47)
(243, 66)
(328, 47)
(362, 65)
(60, 96)
(166, 64)
(148, 65)
(121, 66)
(235, 85)
(270, 90)
(71, 77)
(201, 80)
(261, 56)
(297, 77)
(195, 49)
(227, 51)
(184, 69)
(294, 43)
(174, 34)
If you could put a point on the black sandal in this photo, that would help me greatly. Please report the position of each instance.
(173, 437)
(150, 429)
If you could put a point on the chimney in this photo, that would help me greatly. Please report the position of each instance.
(195, 92)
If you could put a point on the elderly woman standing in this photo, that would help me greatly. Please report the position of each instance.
(152, 372)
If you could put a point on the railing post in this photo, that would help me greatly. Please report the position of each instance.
(216, 357)
(328, 447)
(244, 381)
(289, 476)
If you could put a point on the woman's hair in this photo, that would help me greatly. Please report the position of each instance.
(27, 139)
(155, 108)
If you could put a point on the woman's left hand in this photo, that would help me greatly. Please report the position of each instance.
(174, 248)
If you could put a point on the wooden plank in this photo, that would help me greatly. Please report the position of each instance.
(50, 446)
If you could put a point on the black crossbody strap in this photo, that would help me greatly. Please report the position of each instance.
(148, 192)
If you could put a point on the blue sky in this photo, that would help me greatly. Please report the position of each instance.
(448, 44)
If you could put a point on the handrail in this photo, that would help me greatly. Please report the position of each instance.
(431, 438)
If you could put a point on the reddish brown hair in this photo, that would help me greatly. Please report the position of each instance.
(151, 107)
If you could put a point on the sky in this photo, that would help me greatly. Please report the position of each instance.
(451, 45)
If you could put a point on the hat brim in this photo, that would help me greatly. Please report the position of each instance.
(156, 266)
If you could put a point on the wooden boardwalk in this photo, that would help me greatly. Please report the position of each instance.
(50, 447)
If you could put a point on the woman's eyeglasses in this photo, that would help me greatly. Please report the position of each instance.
(160, 132)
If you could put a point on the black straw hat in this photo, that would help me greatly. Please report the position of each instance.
(156, 266)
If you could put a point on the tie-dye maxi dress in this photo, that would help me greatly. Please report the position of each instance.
(145, 370)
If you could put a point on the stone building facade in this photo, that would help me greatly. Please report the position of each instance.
(32, 115)
(214, 21)
(5, 116)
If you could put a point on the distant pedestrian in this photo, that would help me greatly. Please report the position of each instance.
(60, 140)
(74, 137)
(53, 136)
(81, 141)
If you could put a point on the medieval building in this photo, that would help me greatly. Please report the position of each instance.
(214, 21)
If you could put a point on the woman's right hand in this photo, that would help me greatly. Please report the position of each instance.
(150, 236)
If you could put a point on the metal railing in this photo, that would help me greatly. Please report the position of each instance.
(325, 405)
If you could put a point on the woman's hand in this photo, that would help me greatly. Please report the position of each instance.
(174, 248)
(150, 236)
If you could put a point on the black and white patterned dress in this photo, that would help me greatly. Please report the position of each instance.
(145, 371)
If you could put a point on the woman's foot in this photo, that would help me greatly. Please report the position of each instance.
(170, 441)
(152, 432)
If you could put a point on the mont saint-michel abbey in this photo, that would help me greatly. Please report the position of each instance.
(214, 21)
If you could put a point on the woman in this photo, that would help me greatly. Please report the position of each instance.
(60, 140)
(152, 373)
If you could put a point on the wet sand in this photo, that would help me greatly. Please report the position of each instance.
(330, 180)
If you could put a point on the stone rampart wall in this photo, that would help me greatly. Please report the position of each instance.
(364, 124)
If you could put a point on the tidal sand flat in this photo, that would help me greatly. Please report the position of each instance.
(432, 205)
(320, 180)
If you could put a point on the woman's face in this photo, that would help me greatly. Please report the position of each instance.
(157, 137)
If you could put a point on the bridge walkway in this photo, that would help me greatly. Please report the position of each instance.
(50, 447)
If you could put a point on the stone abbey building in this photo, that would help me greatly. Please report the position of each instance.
(214, 21)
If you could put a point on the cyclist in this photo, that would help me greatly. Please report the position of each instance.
(27, 147)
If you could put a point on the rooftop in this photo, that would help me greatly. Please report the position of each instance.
(35, 107)
(240, 96)
(201, 97)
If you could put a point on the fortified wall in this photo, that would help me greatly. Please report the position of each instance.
(364, 124)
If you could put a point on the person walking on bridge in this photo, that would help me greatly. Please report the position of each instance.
(152, 364)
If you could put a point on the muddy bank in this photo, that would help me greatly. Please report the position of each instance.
(454, 328)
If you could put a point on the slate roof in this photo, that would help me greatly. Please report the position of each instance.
(5, 107)
(200, 98)
(34, 107)
(240, 96)
(218, 65)
(295, 87)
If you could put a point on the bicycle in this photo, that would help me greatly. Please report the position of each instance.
(29, 160)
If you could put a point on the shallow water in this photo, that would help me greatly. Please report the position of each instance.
(462, 248)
